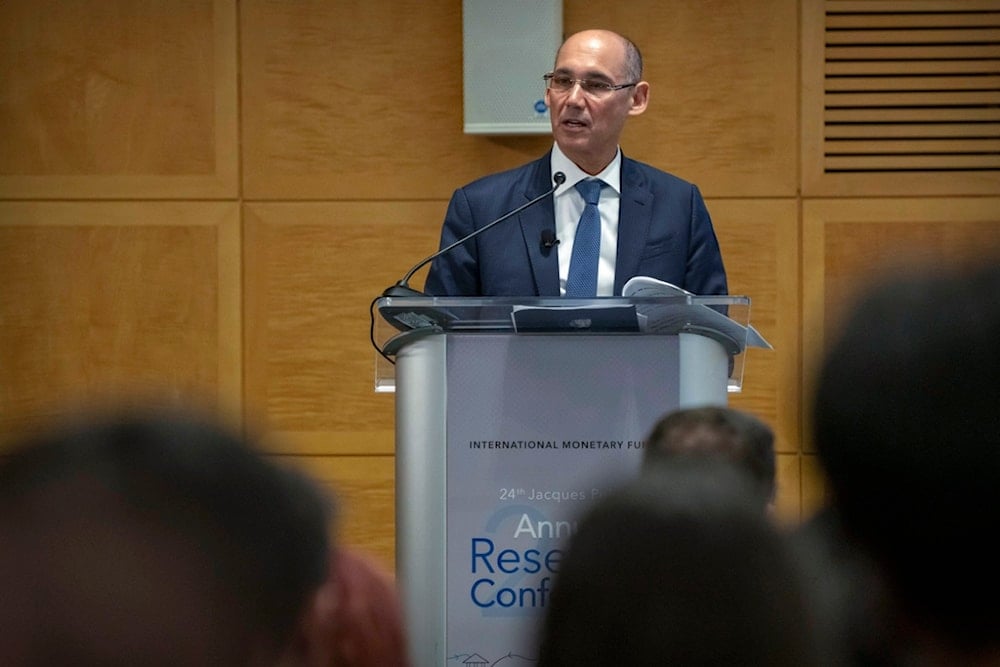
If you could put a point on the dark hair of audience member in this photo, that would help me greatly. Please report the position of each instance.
(717, 431)
(906, 422)
(680, 567)
(154, 539)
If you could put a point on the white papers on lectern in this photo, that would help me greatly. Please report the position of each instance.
(674, 318)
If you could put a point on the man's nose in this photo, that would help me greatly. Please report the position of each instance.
(575, 93)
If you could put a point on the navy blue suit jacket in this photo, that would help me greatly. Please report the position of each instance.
(664, 232)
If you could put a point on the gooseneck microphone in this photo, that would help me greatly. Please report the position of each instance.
(402, 288)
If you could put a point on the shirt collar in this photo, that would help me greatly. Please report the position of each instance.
(611, 174)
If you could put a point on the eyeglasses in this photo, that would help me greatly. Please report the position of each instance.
(562, 83)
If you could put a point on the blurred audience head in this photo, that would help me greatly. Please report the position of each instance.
(678, 566)
(906, 420)
(368, 626)
(718, 432)
(157, 540)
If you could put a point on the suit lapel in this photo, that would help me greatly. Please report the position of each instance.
(535, 219)
(634, 219)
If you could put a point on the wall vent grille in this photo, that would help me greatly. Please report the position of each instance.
(911, 86)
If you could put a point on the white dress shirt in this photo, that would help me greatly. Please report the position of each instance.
(569, 207)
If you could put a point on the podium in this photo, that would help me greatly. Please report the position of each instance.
(512, 414)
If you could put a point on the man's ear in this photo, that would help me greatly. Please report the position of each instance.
(640, 98)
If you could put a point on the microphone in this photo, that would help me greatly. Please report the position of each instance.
(402, 288)
(549, 239)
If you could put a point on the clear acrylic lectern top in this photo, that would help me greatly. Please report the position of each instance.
(725, 319)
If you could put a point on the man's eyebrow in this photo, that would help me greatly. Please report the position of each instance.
(592, 75)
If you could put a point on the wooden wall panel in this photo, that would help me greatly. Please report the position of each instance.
(117, 302)
(118, 99)
(912, 86)
(788, 497)
(364, 492)
(352, 100)
(847, 244)
(759, 240)
(813, 486)
(360, 99)
(723, 89)
(312, 270)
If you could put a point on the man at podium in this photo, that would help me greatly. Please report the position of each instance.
(585, 217)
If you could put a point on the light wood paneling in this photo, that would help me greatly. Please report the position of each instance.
(360, 99)
(847, 244)
(117, 302)
(814, 488)
(352, 100)
(723, 98)
(759, 240)
(118, 99)
(364, 490)
(887, 87)
(788, 501)
(312, 269)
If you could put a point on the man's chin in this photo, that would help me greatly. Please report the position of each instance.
(578, 138)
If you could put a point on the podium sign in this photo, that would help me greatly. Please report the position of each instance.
(503, 438)
(537, 427)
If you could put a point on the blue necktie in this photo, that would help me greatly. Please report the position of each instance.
(582, 280)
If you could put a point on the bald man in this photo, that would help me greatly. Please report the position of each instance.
(651, 223)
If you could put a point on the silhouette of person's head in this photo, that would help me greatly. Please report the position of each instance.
(155, 540)
(906, 420)
(717, 432)
(368, 629)
(678, 566)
